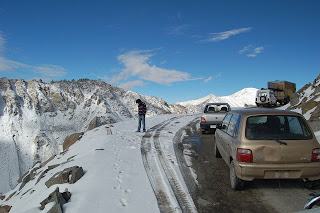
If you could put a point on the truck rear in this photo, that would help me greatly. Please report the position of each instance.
(213, 114)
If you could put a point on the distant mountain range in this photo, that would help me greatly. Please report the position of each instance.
(242, 98)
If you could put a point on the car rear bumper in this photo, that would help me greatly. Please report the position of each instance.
(250, 171)
(207, 126)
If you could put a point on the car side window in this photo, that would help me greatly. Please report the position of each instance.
(232, 125)
(226, 121)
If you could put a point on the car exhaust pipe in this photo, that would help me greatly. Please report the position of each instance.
(312, 202)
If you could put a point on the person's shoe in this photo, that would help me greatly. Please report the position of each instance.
(144, 130)
(138, 131)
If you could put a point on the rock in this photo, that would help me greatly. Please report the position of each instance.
(11, 195)
(47, 161)
(294, 99)
(55, 209)
(29, 177)
(2, 197)
(99, 121)
(46, 171)
(69, 175)
(66, 195)
(5, 209)
(70, 140)
(57, 198)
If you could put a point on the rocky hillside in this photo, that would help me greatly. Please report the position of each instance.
(307, 102)
(241, 98)
(36, 117)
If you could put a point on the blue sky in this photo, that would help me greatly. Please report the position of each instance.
(175, 50)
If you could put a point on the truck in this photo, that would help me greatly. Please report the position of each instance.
(213, 114)
(277, 92)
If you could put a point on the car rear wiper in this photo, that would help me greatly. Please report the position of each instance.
(277, 140)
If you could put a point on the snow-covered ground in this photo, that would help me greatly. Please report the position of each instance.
(115, 178)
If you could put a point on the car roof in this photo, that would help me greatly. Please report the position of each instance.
(257, 111)
(216, 104)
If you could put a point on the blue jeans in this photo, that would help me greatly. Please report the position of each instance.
(142, 118)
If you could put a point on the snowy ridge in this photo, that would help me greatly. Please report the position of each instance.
(239, 99)
(115, 179)
(36, 117)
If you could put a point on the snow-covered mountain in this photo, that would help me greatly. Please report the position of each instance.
(36, 117)
(242, 98)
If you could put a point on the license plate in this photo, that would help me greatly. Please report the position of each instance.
(282, 174)
(213, 126)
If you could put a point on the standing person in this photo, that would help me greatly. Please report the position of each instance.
(142, 109)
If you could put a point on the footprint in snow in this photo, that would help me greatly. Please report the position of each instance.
(123, 202)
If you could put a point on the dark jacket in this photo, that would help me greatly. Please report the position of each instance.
(142, 108)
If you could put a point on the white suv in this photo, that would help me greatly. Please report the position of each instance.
(266, 97)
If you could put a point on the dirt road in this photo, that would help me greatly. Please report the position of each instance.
(214, 194)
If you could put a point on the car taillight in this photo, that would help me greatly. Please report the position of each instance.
(315, 155)
(256, 99)
(203, 120)
(268, 99)
(244, 155)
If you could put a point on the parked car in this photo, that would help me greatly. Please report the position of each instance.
(267, 144)
(213, 114)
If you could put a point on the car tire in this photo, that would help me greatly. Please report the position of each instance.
(263, 98)
(216, 151)
(236, 183)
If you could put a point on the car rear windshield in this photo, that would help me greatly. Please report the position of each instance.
(217, 108)
(282, 127)
(262, 94)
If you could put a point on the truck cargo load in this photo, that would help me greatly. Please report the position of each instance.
(282, 90)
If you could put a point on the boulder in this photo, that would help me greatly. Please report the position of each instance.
(68, 175)
(294, 99)
(5, 209)
(56, 209)
(99, 121)
(58, 198)
(70, 140)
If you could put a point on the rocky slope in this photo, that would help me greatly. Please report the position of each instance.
(307, 102)
(36, 117)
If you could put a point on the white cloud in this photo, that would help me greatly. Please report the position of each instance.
(136, 65)
(214, 37)
(7, 65)
(251, 51)
(208, 79)
(132, 84)
(47, 71)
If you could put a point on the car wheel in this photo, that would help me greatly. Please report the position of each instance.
(216, 151)
(203, 131)
(236, 183)
(263, 98)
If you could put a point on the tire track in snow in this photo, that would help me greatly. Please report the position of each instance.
(164, 180)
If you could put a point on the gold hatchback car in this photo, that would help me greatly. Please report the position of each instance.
(267, 144)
